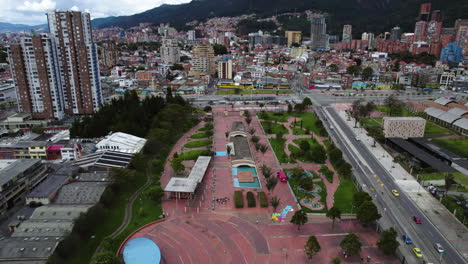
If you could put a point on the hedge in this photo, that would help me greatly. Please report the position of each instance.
(251, 200)
(262, 199)
(238, 199)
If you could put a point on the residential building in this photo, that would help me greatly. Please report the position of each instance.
(37, 77)
(225, 69)
(121, 142)
(191, 35)
(347, 33)
(203, 60)
(170, 52)
(293, 37)
(77, 61)
(395, 34)
(108, 55)
(452, 53)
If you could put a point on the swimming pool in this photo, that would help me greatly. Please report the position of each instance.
(254, 184)
(252, 170)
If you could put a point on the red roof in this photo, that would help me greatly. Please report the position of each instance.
(55, 147)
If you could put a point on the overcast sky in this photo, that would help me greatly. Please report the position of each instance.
(32, 12)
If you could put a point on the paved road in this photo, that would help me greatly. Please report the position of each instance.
(397, 210)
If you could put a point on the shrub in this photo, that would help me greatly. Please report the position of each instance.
(306, 183)
(325, 171)
(262, 199)
(238, 199)
(251, 200)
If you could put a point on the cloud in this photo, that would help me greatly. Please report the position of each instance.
(36, 6)
(32, 12)
(75, 8)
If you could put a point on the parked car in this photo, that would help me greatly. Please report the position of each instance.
(395, 192)
(417, 219)
(439, 248)
(407, 239)
(417, 252)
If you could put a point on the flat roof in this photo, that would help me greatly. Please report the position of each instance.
(38, 228)
(56, 211)
(422, 155)
(27, 250)
(50, 185)
(15, 168)
(80, 193)
(403, 118)
(189, 184)
(241, 148)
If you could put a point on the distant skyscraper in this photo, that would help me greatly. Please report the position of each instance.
(347, 33)
(365, 36)
(203, 60)
(225, 69)
(371, 39)
(395, 34)
(170, 52)
(77, 60)
(420, 30)
(36, 75)
(191, 35)
(318, 32)
(293, 37)
(461, 34)
(109, 55)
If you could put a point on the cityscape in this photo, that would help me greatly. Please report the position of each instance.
(221, 132)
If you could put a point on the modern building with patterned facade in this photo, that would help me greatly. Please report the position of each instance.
(403, 127)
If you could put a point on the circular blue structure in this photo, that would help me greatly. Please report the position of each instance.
(141, 250)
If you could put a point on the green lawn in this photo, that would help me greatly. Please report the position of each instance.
(279, 116)
(198, 136)
(433, 129)
(311, 141)
(198, 143)
(308, 122)
(343, 198)
(264, 91)
(384, 109)
(273, 128)
(278, 149)
(298, 131)
(459, 177)
(458, 146)
(376, 121)
(192, 154)
(327, 144)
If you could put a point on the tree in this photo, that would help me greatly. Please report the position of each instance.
(299, 108)
(207, 108)
(307, 102)
(279, 135)
(449, 180)
(290, 108)
(336, 260)
(306, 183)
(353, 69)
(376, 133)
(351, 244)
(155, 193)
(228, 149)
(304, 146)
(395, 106)
(121, 177)
(275, 201)
(333, 67)
(255, 139)
(266, 171)
(263, 148)
(333, 214)
(299, 218)
(312, 247)
(367, 73)
(248, 120)
(358, 61)
(271, 183)
(105, 257)
(184, 58)
(177, 166)
(318, 154)
(360, 197)
(219, 49)
(388, 242)
(252, 130)
(360, 109)
(367, 213)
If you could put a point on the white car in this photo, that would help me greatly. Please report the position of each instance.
(357, 138)
(439, 248)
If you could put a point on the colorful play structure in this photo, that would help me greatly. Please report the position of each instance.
(277, 217)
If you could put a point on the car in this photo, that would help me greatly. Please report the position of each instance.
(357, 138)
(417, 252)
(417, 220)
(395, 192)
(407, 239)
(439, 248)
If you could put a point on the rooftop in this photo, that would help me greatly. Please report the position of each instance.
(41, 228)
(122, 142)
(36, 249)
(55, 212)
(189, 184)
(80, 193)
(50, 185)
(12, 168)
(404, 118)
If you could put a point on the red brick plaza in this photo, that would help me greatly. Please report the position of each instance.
(220, 233)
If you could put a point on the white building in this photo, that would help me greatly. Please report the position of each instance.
(170, 52)
(347, 33)
(403, 127)
(121, 142)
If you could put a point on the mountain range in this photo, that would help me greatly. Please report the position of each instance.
(365, 15)
(8, 27)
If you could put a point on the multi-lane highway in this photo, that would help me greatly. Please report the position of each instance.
(397, 211)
